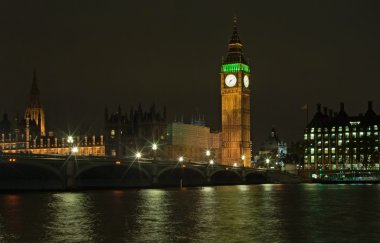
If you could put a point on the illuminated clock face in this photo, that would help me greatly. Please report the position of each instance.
(230, 80)
(246, 81)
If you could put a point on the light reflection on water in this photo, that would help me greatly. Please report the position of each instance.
(70, 218)
(257, 213)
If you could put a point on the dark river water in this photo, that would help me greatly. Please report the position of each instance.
(256, 213)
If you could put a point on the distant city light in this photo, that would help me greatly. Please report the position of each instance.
(211, 162)
(180, 159)
(267, 161)
(138, 155)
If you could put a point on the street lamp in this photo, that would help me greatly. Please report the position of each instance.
(74, 150)
(242, 159)
(235, 164)
(70, 140)
(154, 148)
(180, 159)
(138, 156)
(211, 162)
(208, 152)
(267, 161)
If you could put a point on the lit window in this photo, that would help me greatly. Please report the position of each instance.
(375, 127)
(347, 134)
(112, 132)
(113, 152)
(361, 134)
(312, 136)
(312, 151)
(333, 129)
(333, 150)
(305, 136)
(326, 150)
(340, 129)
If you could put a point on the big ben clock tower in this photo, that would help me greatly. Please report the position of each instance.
(235, 91)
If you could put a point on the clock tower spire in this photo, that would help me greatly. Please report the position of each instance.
(235, 93)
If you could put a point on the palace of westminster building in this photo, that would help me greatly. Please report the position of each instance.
(128, 132)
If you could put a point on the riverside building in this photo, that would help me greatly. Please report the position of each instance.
(342, 142)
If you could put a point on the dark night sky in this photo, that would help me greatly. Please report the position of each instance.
(91, 54)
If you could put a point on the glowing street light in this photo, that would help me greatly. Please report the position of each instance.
(138, 155)
(180, 159)
(74, 150)
(211, 162)
(208, 152)
(154, 146)
(243, 157)
(267, 161)
(70, 139)
(235, 164)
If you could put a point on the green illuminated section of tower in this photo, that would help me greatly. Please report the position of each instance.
(235, 67)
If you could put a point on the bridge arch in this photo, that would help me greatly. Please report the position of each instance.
(225, 176)
(31, 175)
(111, 175)
(254, 177)
(174, 175)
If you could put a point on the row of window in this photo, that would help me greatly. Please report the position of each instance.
(340, 135)
(340, 129)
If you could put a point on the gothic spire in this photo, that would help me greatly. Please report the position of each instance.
(235, 52)
(235, 36)
(34, 92)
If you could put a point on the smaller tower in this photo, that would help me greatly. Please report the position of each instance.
(34, 110)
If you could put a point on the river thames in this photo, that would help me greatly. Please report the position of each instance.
(247, 213)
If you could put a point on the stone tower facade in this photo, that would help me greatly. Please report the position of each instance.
(34, 111)
(235, 93)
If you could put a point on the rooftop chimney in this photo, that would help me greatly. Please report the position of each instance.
(341, 106)
(319, 108)
(369, 105)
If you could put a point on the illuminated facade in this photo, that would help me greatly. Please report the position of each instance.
(28, 135)
(342, 142)
(235, 93)
(87, 146)
(192, 141)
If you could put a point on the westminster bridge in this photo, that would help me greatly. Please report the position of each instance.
(21, 171)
